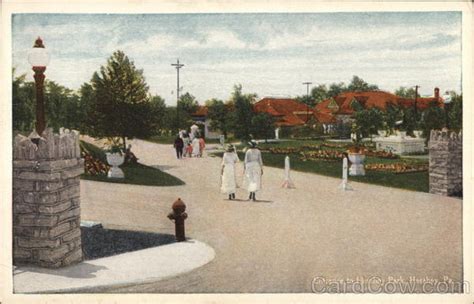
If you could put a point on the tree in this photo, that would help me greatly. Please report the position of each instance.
(187, 106)
(320, 93)
(433, 118)
(357, 84)
(392, 114)
(243, 114)
(454, 109)
(368, 122)
(406, 92)
(63, 107)
(336, 89)
(121, 100)
(410, 120)
(218, 114)
(23, 103)
(263, 125)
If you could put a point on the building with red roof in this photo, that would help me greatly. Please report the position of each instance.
(341, 107)
(287, 111)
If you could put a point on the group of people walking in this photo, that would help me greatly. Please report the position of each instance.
(253, 171)
(187, 147)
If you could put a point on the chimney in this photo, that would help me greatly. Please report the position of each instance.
(436, 93)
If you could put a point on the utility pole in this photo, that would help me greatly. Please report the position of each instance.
(307, 98)
(178, 66)
(416, 98)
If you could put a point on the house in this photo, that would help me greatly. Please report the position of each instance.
(287, 112)
(340, 109)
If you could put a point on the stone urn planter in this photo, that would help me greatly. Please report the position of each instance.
(115, 160)
(357, 164)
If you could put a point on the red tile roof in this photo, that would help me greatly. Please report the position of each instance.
(371, 99)
(286, 111)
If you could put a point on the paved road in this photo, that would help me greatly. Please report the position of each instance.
(282, 242)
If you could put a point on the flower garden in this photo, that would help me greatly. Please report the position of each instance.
(325, 158)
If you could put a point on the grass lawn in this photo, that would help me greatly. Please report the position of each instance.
(416, 181)
(135, 174)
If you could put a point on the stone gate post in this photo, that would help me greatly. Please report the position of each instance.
(445, 150)
(46, 200)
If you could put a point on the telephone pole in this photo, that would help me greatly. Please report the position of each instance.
(307, 99)
(178, 66)
(416, 98)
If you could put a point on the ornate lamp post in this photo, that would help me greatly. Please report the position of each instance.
(38, 57)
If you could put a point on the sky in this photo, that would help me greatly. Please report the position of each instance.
(268, 54)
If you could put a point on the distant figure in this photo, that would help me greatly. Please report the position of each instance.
(202, 145)
(189, 150)
(195, 144)
(253, 167)
(186, 141)
(178, 145)
(228, 180)
(130, 157)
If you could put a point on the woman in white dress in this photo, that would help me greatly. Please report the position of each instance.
(228, 180)
(195, 144)
(253, 167)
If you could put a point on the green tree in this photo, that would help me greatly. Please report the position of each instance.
(219, 115)
(263, 125)
(433, 118)
(63, 107)
(187, 106)
(410, 120)
(392, 114)
(243, 114)
(121, 100)
(368, 121)
(406, 92)
(23, 103)
(357, 84)
(336, 89)
(320, 93)
(454, 109)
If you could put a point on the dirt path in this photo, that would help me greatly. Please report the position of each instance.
(282, 242)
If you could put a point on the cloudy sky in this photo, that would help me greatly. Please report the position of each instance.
(269, 54)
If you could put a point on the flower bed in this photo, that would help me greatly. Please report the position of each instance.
(381, 154)
(398, 167)
(288, 150)
(93, 166)
(329, 155)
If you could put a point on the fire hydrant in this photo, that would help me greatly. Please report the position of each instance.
(179, 215)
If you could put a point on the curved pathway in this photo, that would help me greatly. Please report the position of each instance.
(280, 243)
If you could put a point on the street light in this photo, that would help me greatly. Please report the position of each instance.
(38, 57)
(447, 101)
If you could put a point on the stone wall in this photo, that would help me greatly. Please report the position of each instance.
(445, 163)
(46, 199)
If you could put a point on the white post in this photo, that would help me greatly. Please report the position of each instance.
(345, 184)
(277, 133)
(287, 183)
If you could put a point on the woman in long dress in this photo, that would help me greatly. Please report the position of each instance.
(253, 167)
(195, 144)
(228, 180)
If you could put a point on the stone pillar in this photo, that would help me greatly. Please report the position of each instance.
(46, 200)
(445, 162)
